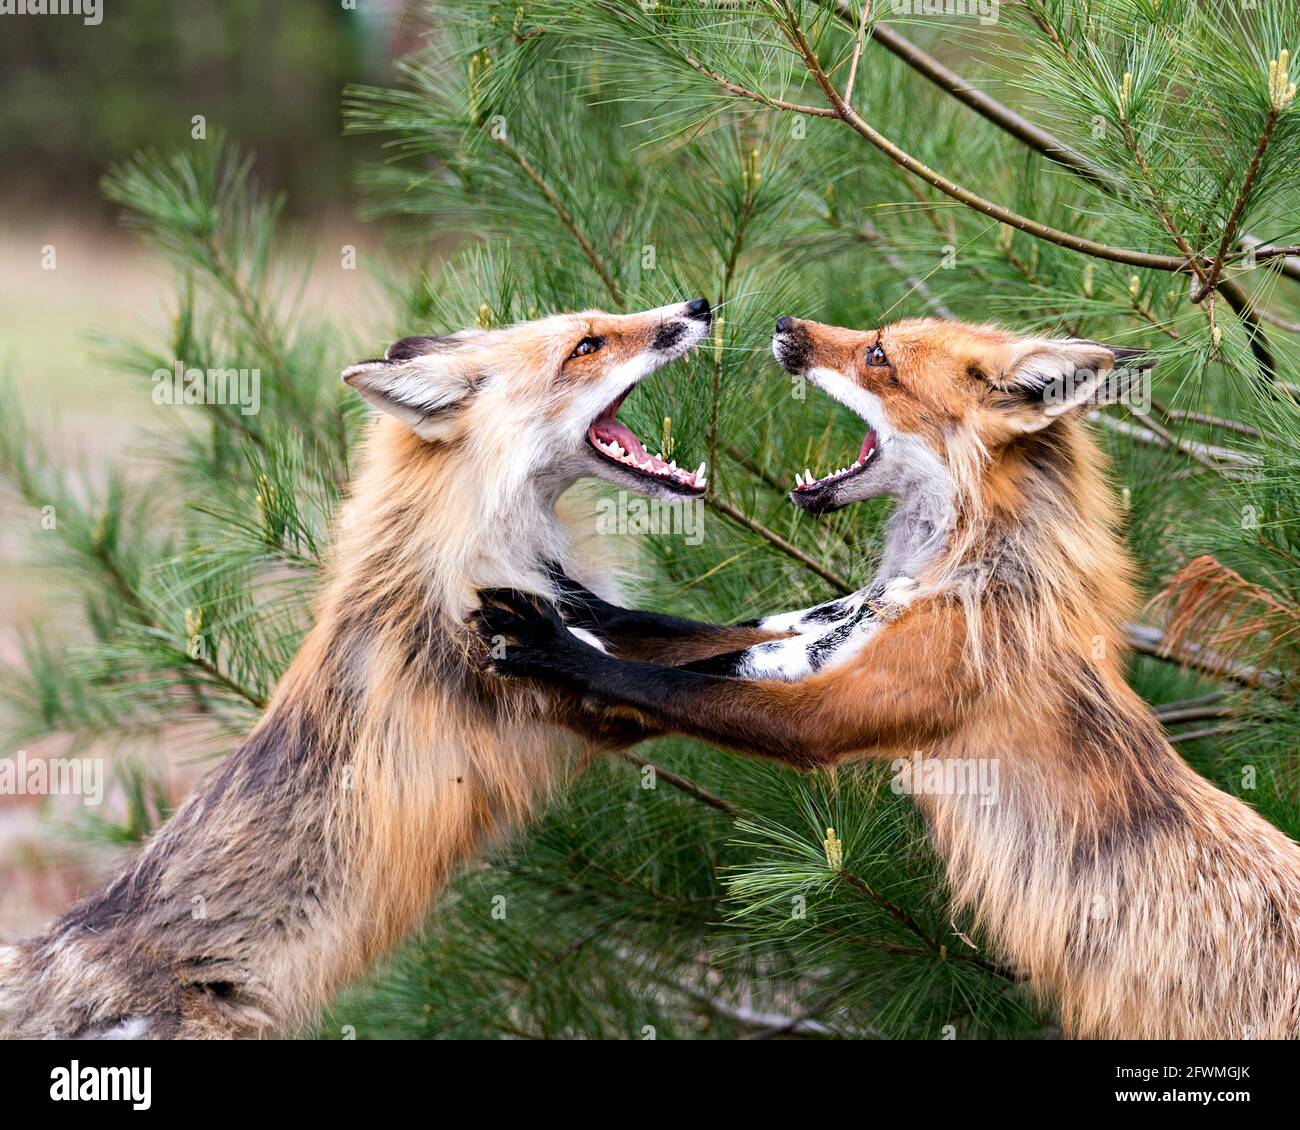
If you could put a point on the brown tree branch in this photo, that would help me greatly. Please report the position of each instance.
(1019, 127)
(1172, 263)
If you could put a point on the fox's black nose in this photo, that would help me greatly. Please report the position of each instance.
(784, 324)
(698, 308)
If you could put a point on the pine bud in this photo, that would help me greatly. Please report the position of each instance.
(834, 851)
(1281, 91)
(265, 496)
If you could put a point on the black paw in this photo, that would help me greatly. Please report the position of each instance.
(525, 637)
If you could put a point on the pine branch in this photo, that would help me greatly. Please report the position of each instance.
(754, 95)
(565, 217)
(846, 113)
(1043, 142)
(1238, 207)
(1150, 641)
(988, 107)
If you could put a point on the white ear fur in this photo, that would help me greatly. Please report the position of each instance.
(1059, 376)
(420, 381)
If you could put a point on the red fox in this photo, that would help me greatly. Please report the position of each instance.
(1122, 886)
(385, 757)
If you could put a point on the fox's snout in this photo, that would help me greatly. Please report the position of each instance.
(671, 333)
(791, 345)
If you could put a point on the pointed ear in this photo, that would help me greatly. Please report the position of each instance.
(1044, 379)
(422, 381)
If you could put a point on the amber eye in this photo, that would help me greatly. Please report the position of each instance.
(876, 355)
(585, 346)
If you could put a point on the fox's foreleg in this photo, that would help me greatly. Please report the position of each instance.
(818, 638)
(909, 688)
(649, 636)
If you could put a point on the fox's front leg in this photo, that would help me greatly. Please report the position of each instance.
(649, 636)
(825, 636)
(909, 687)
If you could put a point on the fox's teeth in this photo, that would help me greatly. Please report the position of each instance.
(798, 478)
(699, 471)
(808, 475)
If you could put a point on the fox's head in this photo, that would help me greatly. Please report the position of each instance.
(941, 400)
(540, 399)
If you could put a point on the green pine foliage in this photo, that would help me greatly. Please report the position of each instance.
(625, 155)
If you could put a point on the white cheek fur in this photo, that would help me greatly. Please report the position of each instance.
(855, 398)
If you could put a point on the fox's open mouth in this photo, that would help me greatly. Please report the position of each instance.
(616, 442)
(808, 484)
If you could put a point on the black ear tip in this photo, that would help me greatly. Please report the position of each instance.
(1132, 358)
(410, 347)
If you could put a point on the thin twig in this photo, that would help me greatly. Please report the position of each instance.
(1215, 422)
(1190, 703)
(724, 507)
(1150, 641)
(1192, 714)
(1197, 735)
(679, 782)
(858, 40)
(755, 95)
(565, 217)
(1157, 201)
(1239, 206)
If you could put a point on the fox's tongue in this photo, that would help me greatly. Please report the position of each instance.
(607, 431)
(620, 444)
